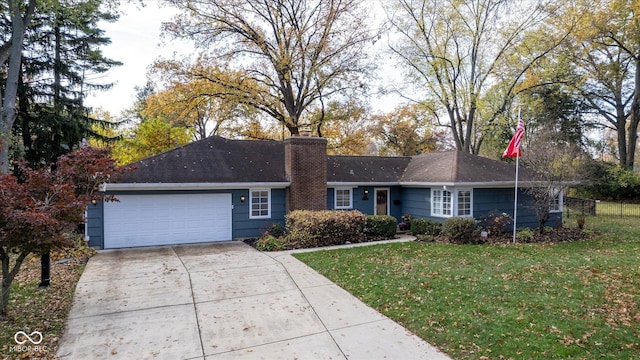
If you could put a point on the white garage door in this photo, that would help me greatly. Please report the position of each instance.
(145, 220)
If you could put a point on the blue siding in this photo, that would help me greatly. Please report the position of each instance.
(396, 205)
(417, 203)
(368, 206)
(330, 198)
(500, 200)
(413, 201)
(95, 231)
(486, 201)
(242, 225)
(364, 206)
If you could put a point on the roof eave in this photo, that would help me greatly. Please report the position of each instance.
(478, 184)
(193, 186)
(361, 183)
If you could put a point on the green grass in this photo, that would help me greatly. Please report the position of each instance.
(577, 300)
(605, 208)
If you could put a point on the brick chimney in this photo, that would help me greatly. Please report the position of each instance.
(305, 161)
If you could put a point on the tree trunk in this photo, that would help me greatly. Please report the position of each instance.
(7, 278)
(635, 120)
(8, 112)
(621, 130)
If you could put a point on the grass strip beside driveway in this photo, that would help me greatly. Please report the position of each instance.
(569, 300)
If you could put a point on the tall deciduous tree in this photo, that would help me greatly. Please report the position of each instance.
(190, 105)
(41, 208)
(606, 51)
(346, 125)
(149, 138)
(408, 130)
(469, 57)
(277, 56)
(20, 14)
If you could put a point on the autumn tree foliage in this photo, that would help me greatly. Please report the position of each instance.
(192, 106)
(605, 51)
(469, 58)
(277, 56)
(346, 126)
(151, 137)
(409, 130)
(41, 208)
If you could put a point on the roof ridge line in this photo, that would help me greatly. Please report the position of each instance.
(454, 168)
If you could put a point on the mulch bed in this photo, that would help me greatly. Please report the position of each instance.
(554, 235)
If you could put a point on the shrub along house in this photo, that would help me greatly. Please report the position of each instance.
(219, 189)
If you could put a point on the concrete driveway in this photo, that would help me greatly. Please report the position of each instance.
(223, 301)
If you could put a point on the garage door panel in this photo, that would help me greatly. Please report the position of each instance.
(144, 220)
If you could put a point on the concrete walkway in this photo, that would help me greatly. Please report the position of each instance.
(223, 301)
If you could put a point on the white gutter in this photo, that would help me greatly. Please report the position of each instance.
(192, 186)
(356, 184)
(487, 184)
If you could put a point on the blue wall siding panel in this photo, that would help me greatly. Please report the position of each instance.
(244, 227)
(367, 205)
(94, 226)
(416, 202)
(500, 200)
(331, 198)
(396, 202)
(364, 206)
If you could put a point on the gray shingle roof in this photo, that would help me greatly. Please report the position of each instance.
(459, 167)
(220, 160)
(213, 160)
(371, 169)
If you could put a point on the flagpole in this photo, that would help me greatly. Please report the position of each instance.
(515, 201)
(515, 196)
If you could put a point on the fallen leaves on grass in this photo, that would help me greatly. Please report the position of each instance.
(42, 310)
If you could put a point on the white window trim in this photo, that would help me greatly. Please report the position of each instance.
(268, 216)
(335, 198)
(454, 202)
(560, 201)
(433, 190)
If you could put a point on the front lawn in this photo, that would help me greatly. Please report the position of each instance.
(571, 300)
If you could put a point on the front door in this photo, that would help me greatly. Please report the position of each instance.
(382, 202)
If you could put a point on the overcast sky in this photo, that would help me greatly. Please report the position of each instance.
(135, 41)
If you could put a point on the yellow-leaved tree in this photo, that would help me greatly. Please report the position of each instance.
(279, 57)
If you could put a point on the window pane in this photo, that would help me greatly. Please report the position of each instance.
(446, 202)
(436, 204)
(343, 198)
(441, 204)
(259, 203)
(464, 203)
(555, 206)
